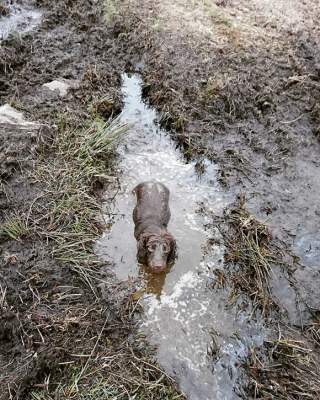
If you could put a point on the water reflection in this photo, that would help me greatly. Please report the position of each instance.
(154, 283)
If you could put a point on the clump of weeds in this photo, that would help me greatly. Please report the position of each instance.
(287, 369)
(119, 375)
(313, 330)
(249, 255)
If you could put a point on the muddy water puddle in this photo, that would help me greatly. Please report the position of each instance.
(200, 342)
(19, 18)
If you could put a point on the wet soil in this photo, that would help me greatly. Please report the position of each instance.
(54, 325)
(244, 94)
(196, 313)
(238, 83)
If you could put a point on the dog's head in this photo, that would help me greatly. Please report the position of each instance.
(156, 251)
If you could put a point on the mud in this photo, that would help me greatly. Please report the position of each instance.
(240, 86)
(51, 319)
(237, 85)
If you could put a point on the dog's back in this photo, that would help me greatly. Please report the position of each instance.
(152, 206)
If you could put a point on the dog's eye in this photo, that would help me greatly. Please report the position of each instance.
(165, 248)
(152, 247)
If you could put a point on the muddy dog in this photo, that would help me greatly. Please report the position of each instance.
(156, 246)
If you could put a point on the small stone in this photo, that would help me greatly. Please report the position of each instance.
(61, 86)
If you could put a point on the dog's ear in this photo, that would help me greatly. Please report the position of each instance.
(173, 250)
(142, 249)
(137, 188)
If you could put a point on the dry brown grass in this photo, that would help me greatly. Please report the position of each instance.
(287, 369)
(250, 254)
(114, 367)
(313, 330)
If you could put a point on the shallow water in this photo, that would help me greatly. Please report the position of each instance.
(21, 18)
(200, 342)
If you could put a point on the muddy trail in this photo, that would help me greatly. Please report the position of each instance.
(218, 100)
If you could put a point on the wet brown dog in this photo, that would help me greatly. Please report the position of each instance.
(156, 246)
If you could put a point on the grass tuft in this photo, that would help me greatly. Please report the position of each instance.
(15, 227)
(215, 13)
(69, 205)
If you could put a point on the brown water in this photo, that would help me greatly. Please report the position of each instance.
(200, 342)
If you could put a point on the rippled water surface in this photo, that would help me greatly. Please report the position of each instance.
(200, 342)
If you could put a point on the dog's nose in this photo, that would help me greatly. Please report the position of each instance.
(159, 268)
